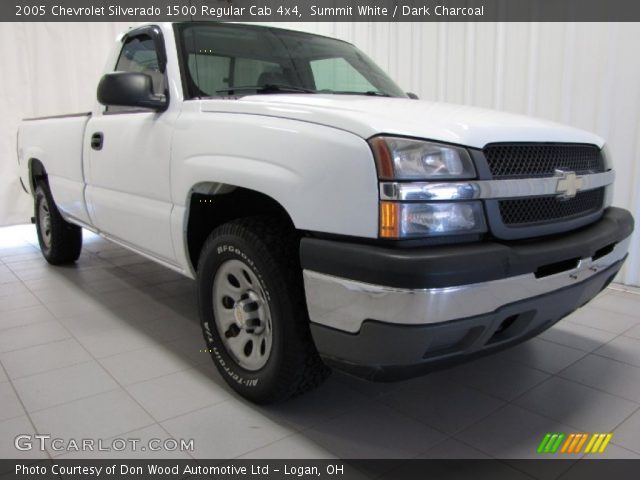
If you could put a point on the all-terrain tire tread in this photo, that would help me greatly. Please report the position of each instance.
(303, 369)
(66, 238)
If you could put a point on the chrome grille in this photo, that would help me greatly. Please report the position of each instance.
(541, 159)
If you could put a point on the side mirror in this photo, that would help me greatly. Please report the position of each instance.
(413, 96)
(130, 89)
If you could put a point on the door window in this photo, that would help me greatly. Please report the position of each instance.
(139, 55)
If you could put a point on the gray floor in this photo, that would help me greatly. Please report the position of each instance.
(110, 348)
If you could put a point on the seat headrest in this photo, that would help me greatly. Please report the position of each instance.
(271, 78)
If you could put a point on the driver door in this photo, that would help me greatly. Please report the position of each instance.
(127, 165)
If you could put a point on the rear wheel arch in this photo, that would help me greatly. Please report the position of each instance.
(60, 241)
(37, 172)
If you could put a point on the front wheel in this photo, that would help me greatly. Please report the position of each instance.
(60, 241)
(253, 313)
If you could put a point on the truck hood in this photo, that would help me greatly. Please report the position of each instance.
(367, 116)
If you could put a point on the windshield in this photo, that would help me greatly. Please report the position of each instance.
(226, 59)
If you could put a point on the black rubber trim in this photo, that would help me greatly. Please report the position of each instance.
(49, 117)
(445, 266)
(388, 352)
(155, 33)
(22, 185)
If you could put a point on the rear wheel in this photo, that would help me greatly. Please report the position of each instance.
(253, 313)
(60, 241)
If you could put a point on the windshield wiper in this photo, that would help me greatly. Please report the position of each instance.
(371, 93)
(268, 88)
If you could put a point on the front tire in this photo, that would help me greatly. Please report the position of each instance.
(253, 312)
(60, 241)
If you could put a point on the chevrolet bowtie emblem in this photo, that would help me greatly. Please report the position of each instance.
(568, 184)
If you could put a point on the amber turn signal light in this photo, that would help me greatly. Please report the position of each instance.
(389, 220)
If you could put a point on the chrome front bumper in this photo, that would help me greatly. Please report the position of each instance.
(344, 304)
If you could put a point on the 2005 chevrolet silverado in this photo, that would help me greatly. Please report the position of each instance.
(330, 219)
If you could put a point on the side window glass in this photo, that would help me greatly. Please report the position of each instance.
(139, 55)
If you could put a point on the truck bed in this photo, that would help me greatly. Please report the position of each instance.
(58, 142)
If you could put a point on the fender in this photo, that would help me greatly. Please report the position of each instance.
(322, 176)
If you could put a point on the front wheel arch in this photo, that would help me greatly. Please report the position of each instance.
(211, 205)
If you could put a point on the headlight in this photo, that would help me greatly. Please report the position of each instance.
(405, 220)
(405, 159)
(408, 159)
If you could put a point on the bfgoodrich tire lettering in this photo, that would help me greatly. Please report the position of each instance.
(261, 297)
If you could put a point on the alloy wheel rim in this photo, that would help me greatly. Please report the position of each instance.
(44, 221)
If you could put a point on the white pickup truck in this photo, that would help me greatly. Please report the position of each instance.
(330, 219)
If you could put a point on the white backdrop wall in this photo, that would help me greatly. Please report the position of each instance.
(47, 69)
(583, 74)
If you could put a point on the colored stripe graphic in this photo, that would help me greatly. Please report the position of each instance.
(605, 442)
(578, 442)
(556, 445)
(598, 443)
(581, 443)
(544, 442)
(567, 443)
(573, 443)
(590, 444)
(551, 442)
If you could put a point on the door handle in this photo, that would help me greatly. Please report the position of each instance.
(96, 140)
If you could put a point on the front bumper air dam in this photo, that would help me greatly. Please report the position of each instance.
(382, 331)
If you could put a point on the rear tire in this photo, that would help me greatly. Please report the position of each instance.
(60, 241)
(253, 311)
